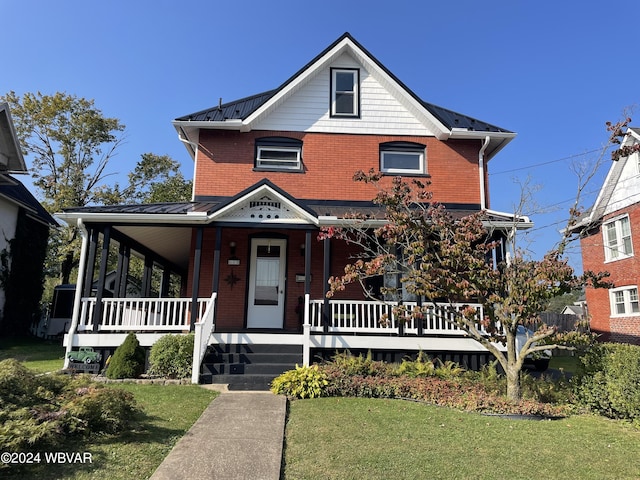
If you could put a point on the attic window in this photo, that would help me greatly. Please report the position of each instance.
(345, 92)
(278, 153)
(403, 157)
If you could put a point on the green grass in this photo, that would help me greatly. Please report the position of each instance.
(168, 412)
(39, 355)
(567, 363)
(354, 438)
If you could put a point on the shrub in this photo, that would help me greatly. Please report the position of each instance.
(351, 365)
(422, 366)
(128, 360)
(303, 382)
(608, 380)
(38, 412)
(172, 356)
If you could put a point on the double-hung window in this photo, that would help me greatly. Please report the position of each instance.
(278, 153)
(403, 158)
(617, 239)
(624, 301)
(345, 94)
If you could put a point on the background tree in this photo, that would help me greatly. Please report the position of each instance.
(443, 261)
(69, 142)
(155, 179)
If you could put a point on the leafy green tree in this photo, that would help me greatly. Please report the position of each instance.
(69, 142)
(443, 261)
(155, 179)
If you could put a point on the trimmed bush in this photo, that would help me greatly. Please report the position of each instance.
(128, 360)
(608, 380)
(303, 382)
(172, 356)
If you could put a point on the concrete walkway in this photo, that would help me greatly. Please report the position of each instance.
(239, 436)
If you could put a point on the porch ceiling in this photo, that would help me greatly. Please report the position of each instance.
(171, 243)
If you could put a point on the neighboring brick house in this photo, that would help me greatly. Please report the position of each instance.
(611, 243)
(24, 231)
(270, 170)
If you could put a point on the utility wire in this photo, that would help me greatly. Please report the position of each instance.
(547, 163)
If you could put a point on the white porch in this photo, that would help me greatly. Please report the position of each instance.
(328, 325)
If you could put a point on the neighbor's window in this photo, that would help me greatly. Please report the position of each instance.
(402, 157)
(617, 239)
(278, 153)
(624, 301)
(345, 93)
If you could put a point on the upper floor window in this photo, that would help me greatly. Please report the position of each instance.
(278, 153)
(617, 239)
(345, 95)
(403, 157)
(624, 301)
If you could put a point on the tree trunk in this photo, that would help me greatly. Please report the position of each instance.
(514, 389)
(66, 268)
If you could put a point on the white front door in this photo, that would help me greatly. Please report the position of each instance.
(266, 283)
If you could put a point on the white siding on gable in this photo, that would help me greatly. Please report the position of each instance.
(307, 110)
(627, 189)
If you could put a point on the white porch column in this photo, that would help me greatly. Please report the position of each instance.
(306, 334)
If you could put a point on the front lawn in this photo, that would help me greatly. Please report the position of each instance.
(36, 354)
(352, 438)
(168, 412)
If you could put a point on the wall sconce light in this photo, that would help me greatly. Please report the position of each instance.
(302, 249)
(233, 260)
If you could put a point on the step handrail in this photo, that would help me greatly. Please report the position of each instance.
(203, 330)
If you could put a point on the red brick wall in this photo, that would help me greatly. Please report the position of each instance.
(622, 273)
(226, 159)
(232, 298)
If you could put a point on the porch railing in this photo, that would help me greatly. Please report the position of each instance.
(203, 330)
(140, 314)
(352, 316)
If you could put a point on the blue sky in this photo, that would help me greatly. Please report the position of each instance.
(554, 72)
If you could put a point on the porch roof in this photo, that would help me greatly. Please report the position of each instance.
(166, 228)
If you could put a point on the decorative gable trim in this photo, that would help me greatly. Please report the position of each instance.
(263, 204)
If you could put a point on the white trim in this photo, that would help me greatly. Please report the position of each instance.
(421, 162)
(615, 253)
(279, 164)
(626, 291)
(355, 103)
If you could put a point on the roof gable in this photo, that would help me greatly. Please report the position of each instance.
(11, 159)
(621, 187)
(263, 203)
(246, 113)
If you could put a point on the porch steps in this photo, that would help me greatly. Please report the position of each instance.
(248, 366)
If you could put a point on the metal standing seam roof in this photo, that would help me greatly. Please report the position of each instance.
(316, 207)
(242, 108)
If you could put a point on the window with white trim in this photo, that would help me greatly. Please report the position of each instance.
(345, 92)
(278, 153)
(617, 239)
(402, 157)
(624, 301)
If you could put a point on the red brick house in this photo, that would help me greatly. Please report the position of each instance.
(612, 237)
(270, 170)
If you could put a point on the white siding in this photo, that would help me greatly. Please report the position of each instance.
(627, 189)
(307, 109)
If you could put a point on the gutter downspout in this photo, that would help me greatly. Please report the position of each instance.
(78, 294)
(485, 144)
(193, 145)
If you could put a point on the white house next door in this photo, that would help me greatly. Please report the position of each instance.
(266, 283)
